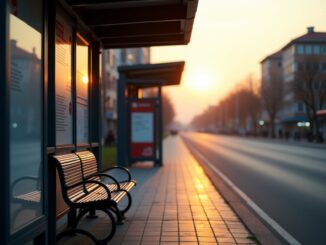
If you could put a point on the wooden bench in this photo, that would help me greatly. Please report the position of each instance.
(85, 192)
(90, 171)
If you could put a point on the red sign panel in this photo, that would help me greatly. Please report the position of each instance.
(142, 129)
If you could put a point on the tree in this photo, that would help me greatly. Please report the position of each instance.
(167, 106)
(233, 111)
(168, 111)
(272, 97)
(310, 88)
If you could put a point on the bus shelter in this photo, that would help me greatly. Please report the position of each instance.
(50, 92)
(140, 117)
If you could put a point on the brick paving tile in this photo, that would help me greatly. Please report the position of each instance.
(207, 243)
(224, 235)
(151, 239)
(188, 239)
(150, 243)
(169, 239)
(241, 235)
(130, 243)
(205, 234)
(152, 233)
(187, 233)
(132, 238)
(206, 239)
(169, 243)
(225, 239)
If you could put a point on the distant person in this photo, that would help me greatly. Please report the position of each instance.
(320, 137)
(309, 136)
(110, 138)
(287, 135)
(297, 135)
(280, 134)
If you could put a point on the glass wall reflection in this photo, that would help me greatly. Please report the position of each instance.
(26, 113)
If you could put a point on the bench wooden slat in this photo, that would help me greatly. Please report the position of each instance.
(127, 185)
(34, 196)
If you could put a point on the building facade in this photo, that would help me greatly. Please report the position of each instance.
(303, 61)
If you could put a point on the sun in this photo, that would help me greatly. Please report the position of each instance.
(201, 81)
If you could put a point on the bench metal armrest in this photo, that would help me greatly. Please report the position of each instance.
(105, 175)
(25, 178)
(13, 185)
(123, 169)
(91, 182)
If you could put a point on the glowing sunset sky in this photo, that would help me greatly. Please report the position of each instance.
(229, 39)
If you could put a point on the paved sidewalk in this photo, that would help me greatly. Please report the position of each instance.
(177, 204)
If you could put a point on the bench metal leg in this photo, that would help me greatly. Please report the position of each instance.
(118, 214)
(92, 214)
(72, 214)
(74, 230)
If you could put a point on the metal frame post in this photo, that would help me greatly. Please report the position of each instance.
(122, 124)
(4, 122)
(160, 127)
(95, 100)
(51, 128)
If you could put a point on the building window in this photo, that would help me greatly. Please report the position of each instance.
(323, 66)
(112, 58)
(308, 49)
(299, 66)
(123, 56)
(131, 58)
(300, 49)
(323, 49)
(316, 49)
(316, 85)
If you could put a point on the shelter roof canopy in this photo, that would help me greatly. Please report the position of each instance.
(137, 23)
(148, 75)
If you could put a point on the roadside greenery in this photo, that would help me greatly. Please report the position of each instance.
(109, 157)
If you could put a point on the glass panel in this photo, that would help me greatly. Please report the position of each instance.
(323, 49)
(63, 95)
(26, 203)
(82, 90)
(300, 49)
(316, 49)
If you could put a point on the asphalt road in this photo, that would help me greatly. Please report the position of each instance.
(286, 181)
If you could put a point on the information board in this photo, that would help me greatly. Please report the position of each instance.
(63, 93)
(142, 129)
